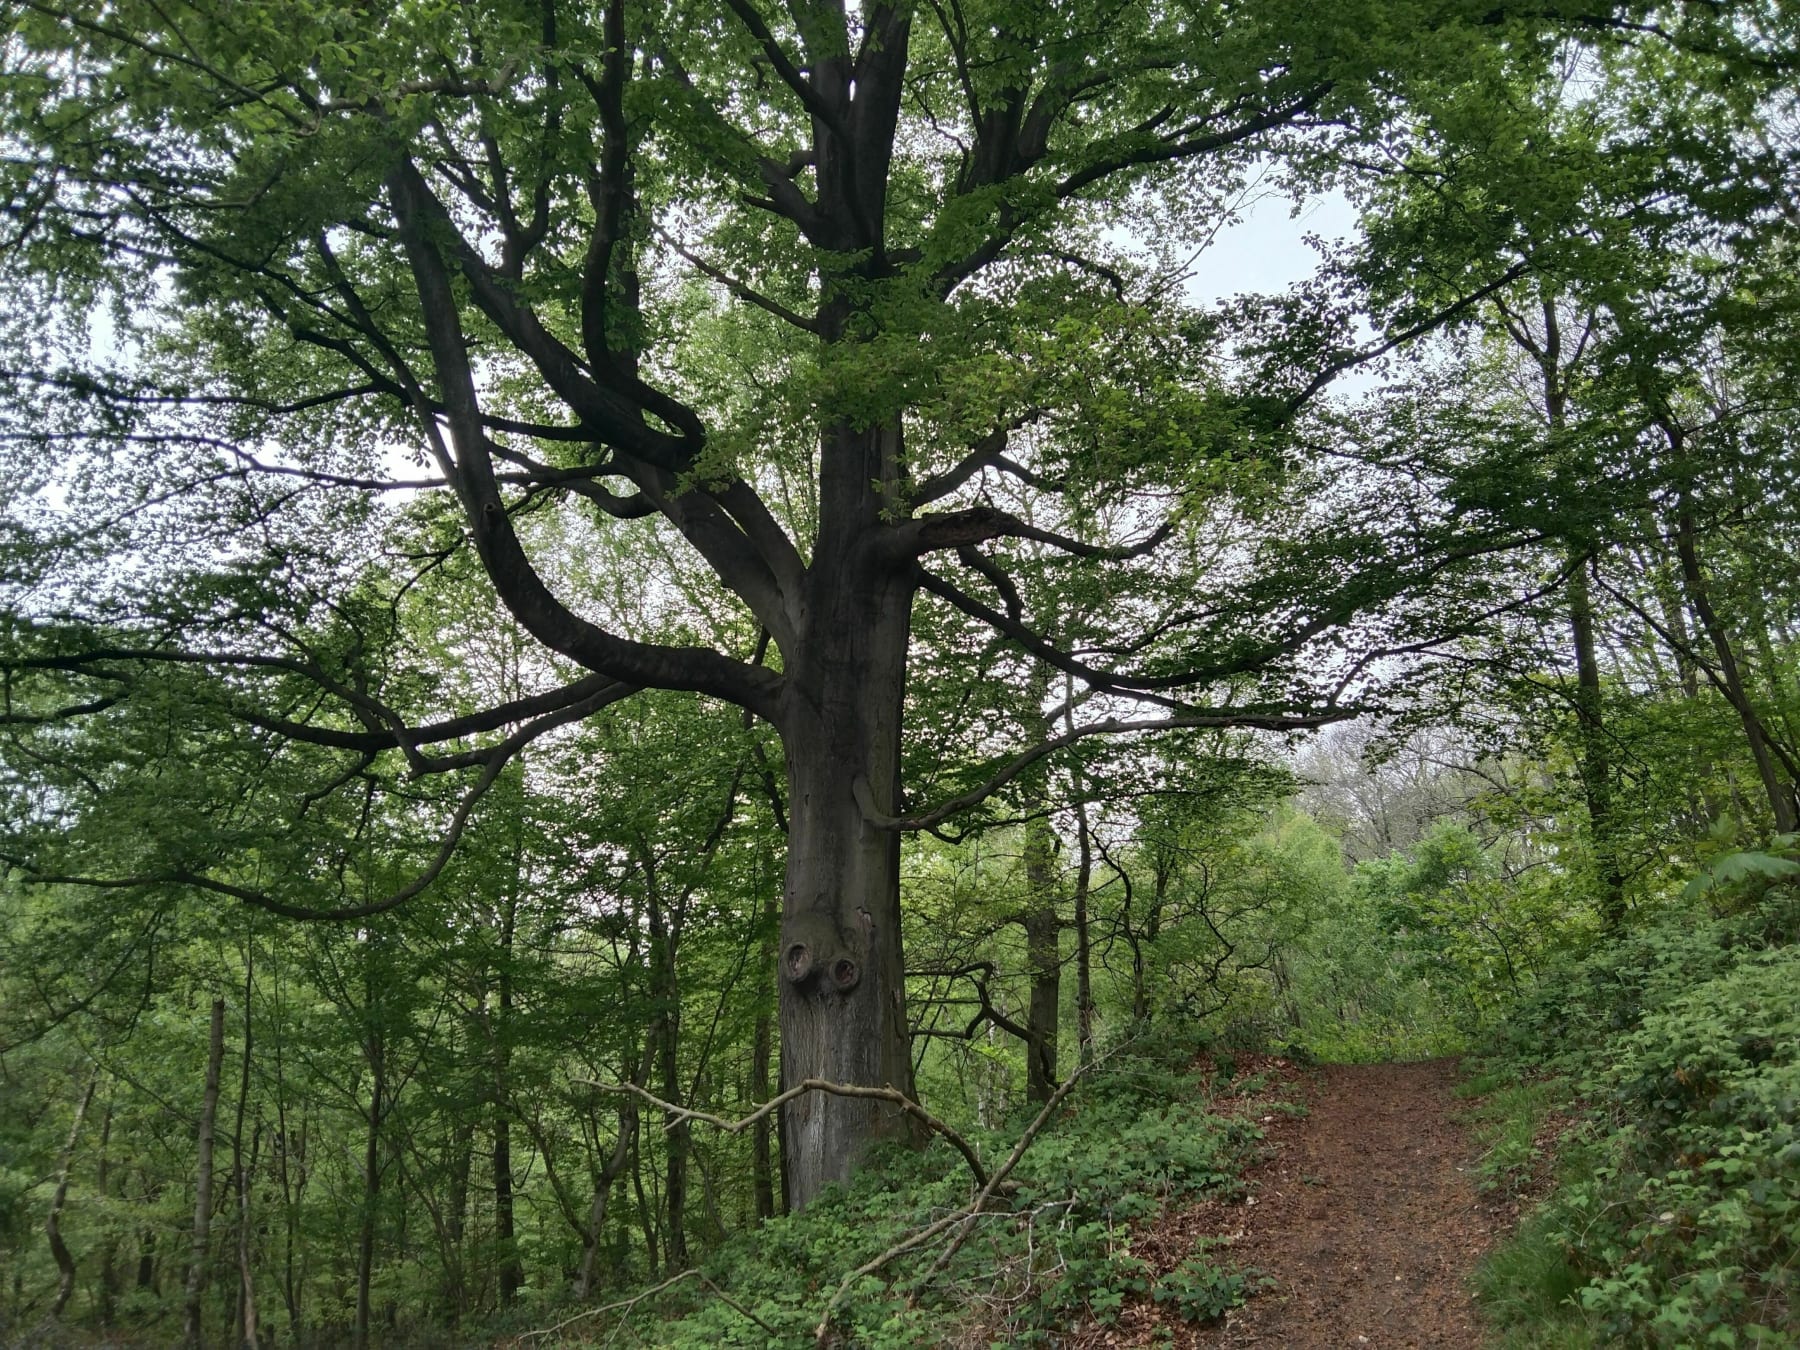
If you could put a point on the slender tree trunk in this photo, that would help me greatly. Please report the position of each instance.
(456, 1294)
(511, 1276)
(1596, 765)
(762, 1050)
(646, 1214)
(665, 990)
(59, 1250)
(375, 1053)
(209, 1110)
(1043, 958)
(146, 1262)
(512, 1272)
(603, 1188)
(109, 1249)
(1162, 874)
(1779, 791)
(241, 1177)
(843, 999)
(1084, 948)
(291, 1152)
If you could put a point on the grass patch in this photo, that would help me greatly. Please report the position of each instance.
(1528, 1288)
(1507, 1116)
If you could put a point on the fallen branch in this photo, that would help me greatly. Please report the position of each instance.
(678, 1114)
(626, 1305)
(965, 1216)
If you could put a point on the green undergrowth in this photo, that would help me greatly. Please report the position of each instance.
(1054, 1246)
(1674, 1218)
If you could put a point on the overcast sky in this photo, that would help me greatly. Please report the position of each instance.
(1266, 251)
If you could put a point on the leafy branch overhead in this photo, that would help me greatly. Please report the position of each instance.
(834, 365)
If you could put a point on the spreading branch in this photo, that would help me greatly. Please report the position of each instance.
(677, 1115)
(1247, 718)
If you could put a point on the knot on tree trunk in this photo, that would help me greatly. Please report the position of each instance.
(815, 951)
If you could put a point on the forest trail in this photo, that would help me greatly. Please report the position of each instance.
(1366, 1218)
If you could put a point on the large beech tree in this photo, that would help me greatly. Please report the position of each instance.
(720, 333)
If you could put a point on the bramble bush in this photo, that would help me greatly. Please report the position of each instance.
(1679, 1224)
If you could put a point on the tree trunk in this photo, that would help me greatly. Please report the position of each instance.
(456, 1219)
(843, 998)
(762, 1051)
(1084, 947)
(1779, 792)
(1043, 957)
(59, 1250)
(665, 991)
(375, 1052)
(512, 1273)
(209, 1110)
(146, 1262)
(241, 1175)
(603, 1187)
(1596, 764)
(646, 1214)
(109, 1249)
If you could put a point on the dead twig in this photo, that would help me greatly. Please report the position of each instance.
(966, 1216)
(678, 1114)
(625, 1307)
(625, 1304)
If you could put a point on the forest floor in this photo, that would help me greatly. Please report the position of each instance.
(1365, 1222)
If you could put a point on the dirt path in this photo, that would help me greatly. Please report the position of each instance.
(1366, 1218)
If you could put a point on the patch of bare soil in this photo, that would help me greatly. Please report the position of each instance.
(1366, 1218)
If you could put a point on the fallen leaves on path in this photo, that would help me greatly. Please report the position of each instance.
(1366, 1218)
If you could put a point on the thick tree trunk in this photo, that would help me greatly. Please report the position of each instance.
(843, 1000)
(59, 1250)
(209, 1111)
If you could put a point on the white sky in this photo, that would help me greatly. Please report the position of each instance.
(1266, 251)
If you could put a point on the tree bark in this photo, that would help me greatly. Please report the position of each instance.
(59, 1250)
(109, 1249)
(209, 1110)
(1084, 947)
(1780, 793)
(375, 1052)
(1043, 958)
(241, 1175)
(843, 998)
(1596, 762)
(665, 991)
(512, 1273)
